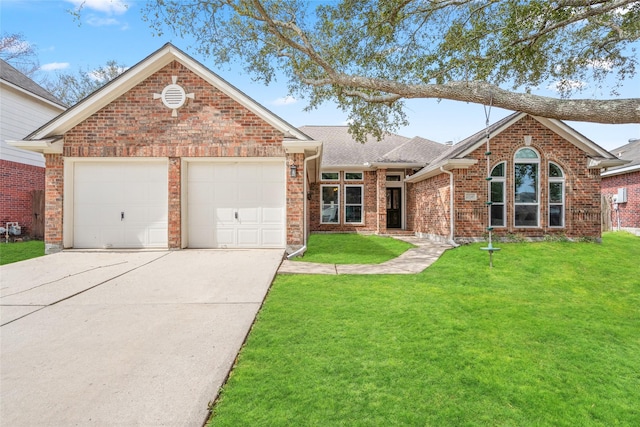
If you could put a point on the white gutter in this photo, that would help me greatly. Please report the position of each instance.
(450, 202)
(304, 206)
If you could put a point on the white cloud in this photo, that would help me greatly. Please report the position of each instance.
(53, 66)
(285, 101)
(96, 21)
(117, 7)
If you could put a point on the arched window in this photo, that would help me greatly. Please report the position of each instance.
(526, 198)
(496, 189)
(556, 196)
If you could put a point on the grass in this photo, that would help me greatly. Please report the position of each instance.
(20, 251)
(549, 337)
(352, 249)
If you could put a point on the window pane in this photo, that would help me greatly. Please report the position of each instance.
(526, 215)
(497, 215)
(353, 213)
(555, 192)
(330, 176)
(498, 170)
(526, 183)
(329, 195)
(353, 195)
(353, 176)
(330, 213)
(497, 192)
(555, 216)
(555, 171)
(395, 178)
(526, 153)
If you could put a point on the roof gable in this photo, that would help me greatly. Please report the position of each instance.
(629, 152)
(14, 77)
(138, 73)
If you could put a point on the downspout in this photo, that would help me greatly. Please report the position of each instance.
(450, 204)
(304, 206)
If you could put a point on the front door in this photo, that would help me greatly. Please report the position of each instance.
(394, 208)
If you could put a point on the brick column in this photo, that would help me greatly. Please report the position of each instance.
(295, 203)
(53, 199)
(381, 187)
(175, 203)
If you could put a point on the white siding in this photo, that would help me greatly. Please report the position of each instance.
(21, 114)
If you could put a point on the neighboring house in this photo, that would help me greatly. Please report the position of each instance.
(170, 155)
(623, 182)
(544, 179)
(24, 106)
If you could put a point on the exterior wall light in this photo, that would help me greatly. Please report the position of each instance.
(293, 170)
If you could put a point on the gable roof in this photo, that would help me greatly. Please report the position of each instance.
(341, 151)
(17, 79)
(630, 152)
(455, 157)
(136, 74)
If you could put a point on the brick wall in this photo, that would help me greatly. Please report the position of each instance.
(629, 212)
(582, 188)
(428, 206)
(136, 125)
(53, 200)
(18, 180)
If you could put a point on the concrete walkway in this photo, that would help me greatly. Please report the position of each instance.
(412, 261)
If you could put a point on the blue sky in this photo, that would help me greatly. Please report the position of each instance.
(109, 30)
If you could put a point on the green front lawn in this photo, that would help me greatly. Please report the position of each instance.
(19, 251)
(352, 249)
(549, 337)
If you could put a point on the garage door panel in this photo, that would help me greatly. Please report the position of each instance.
(254, 191)
(105, 190)
(272, 238)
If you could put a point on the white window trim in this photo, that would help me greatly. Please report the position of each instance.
(561, 180)
(354, 179)
(322, 203)
(361, 204)
(505, 195)
(330, 180)
(526, 161)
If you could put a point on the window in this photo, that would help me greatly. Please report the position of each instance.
(556, 196)
(330, 204)
(526, 193)
(496, 187)
(353, 176)
(330, 176)
(353, 204)
(394, 178)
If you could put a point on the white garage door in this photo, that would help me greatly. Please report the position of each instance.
(236, 205)
(120, 205)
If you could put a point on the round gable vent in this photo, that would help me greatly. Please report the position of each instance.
(173, 96)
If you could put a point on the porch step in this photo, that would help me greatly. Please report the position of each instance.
(398, 233)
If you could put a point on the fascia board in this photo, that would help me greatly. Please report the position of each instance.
(605, 163)
(621, 171)
(300, 146)
(434, 170)
(44, 146)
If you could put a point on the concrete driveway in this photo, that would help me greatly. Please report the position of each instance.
(124, 338)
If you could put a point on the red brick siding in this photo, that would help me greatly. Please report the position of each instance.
(629, 212)
(582, 187)
(136, 125)
(429, 206)
(295, 208)
(18, 180)
(53, 195)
